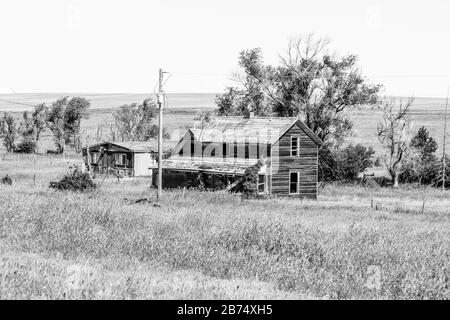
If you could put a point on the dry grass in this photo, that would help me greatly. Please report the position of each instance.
(214, 245)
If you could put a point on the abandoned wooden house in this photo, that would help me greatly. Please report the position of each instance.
(283, 151)
(129, 159)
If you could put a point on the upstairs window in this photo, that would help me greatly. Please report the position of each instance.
(295, 147)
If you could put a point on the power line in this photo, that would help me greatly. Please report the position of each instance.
(171, 73)
(199, 73)
(18, 103)
(410, 76)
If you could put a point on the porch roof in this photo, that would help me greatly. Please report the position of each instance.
(208, 164)
(137, 146)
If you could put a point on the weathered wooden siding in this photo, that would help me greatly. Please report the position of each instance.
(188, 148)
(283, 163)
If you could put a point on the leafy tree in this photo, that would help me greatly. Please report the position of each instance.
(63, 119)
(230, 102)
(32, 125)
(424, 143)
(346, 163)
(8, 131)
(353, 160)
(328, 163)
(392, 133)
(136, 121)
(310, 83)
(26, 128)
(39, 120)
(76, 108)
(55, 122)
(420, 164)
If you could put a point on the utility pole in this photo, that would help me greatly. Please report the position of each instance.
(160, 98)
(88, 156)
(443, 146)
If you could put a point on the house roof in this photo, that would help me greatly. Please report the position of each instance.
(208, 164)
(137, 146)
(252, 130)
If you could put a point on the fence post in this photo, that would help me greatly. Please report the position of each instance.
(423, 206)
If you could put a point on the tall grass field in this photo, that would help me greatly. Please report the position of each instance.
(353, 243)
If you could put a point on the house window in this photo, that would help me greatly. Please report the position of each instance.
(261, 183)
(295, 146)
(294, 178)
(121, 159)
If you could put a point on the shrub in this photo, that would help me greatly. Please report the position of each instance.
(6, 180)
(327, 164)
(370, 183)
(353, 160)
(26, 146)
(74, 181)
(249, 183)
(422, 171)
(344, 164)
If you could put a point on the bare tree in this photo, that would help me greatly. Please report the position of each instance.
(393, 133)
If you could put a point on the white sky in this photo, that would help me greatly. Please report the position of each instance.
(118, 46)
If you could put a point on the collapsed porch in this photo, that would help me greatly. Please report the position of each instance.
(215, 173)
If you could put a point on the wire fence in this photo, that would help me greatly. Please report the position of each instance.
(22, 158)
